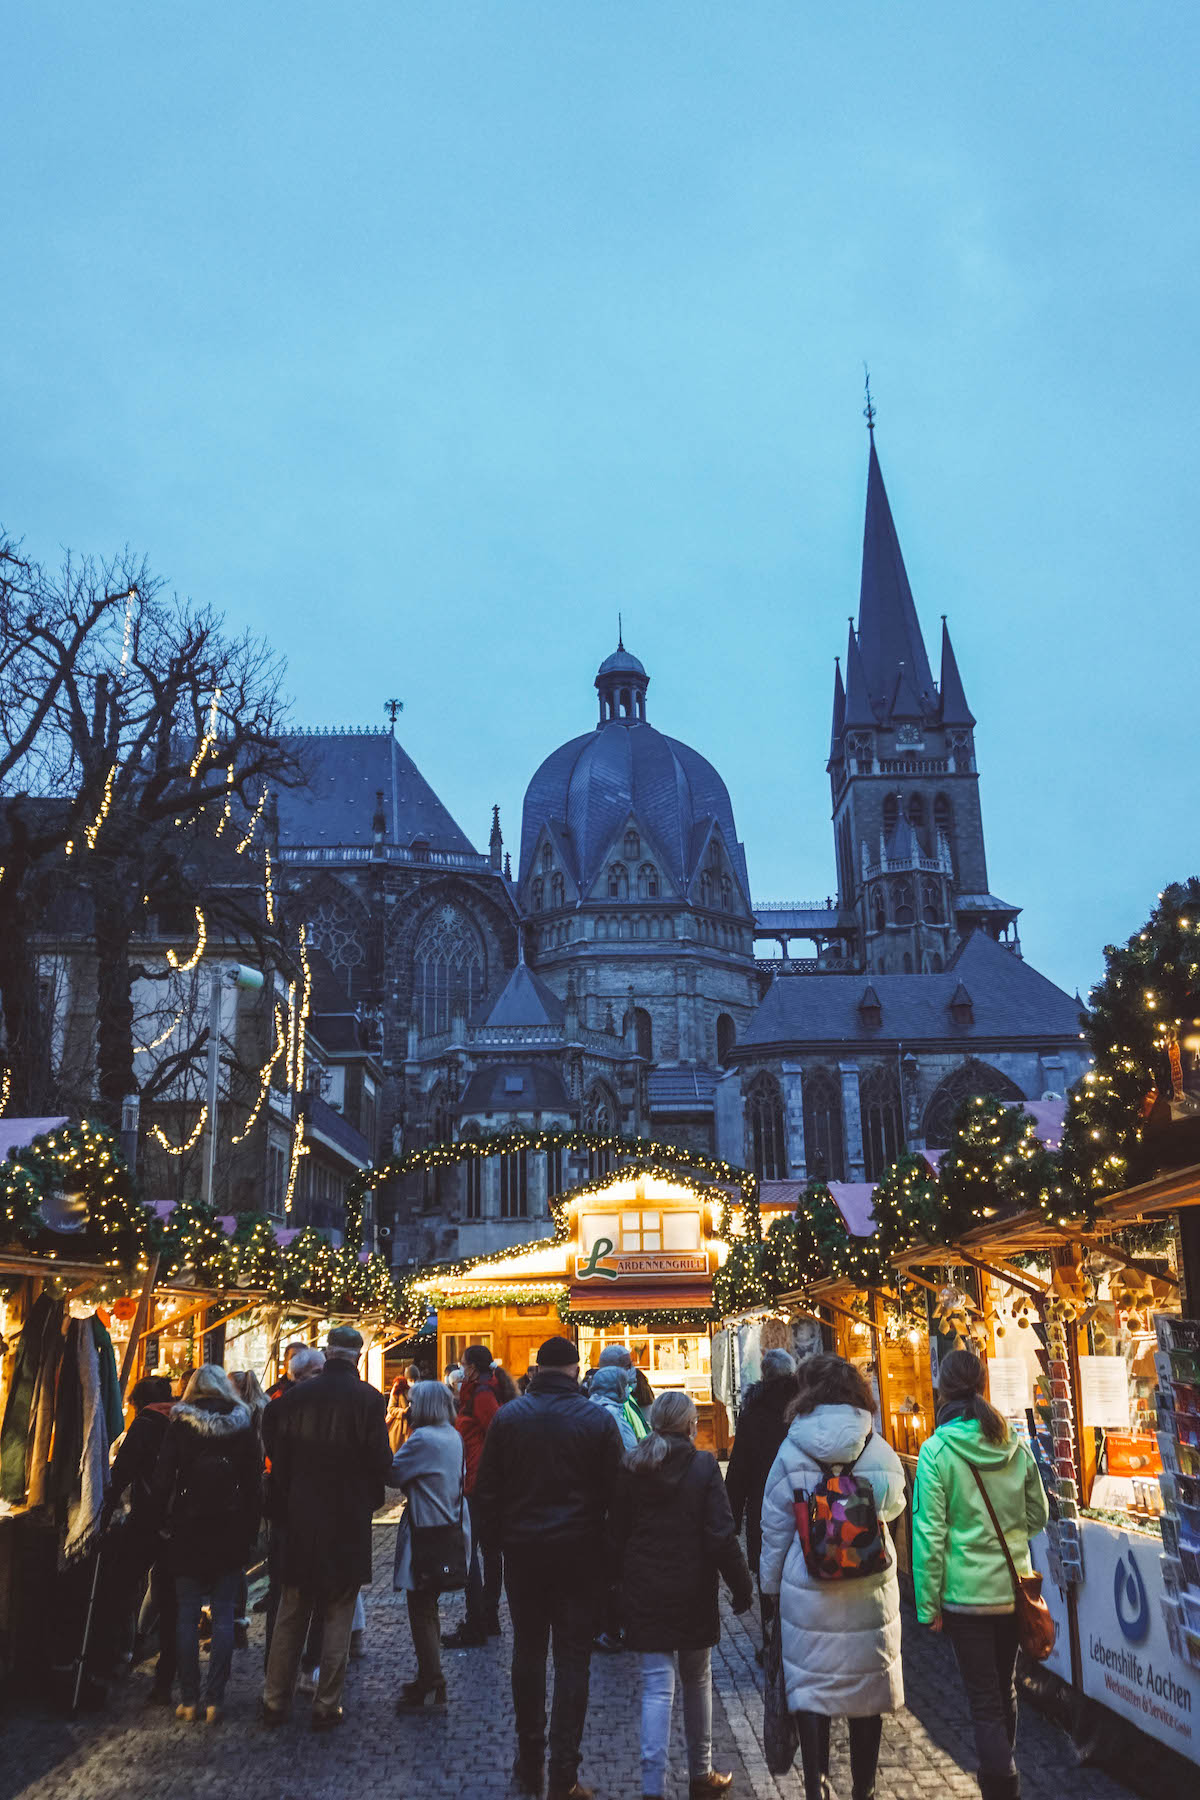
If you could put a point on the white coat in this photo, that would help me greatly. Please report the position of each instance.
(841, 1639)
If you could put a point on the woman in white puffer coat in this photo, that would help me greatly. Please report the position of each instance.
(841, 1639)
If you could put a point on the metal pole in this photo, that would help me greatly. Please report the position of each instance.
(214, 1070)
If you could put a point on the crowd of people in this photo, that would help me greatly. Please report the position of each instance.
(589, 1505)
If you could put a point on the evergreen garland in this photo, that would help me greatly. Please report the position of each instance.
(84, 1159)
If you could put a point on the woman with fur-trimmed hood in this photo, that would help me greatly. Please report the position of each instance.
(208, 1489)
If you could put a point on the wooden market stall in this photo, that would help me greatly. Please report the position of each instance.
(632, 1262)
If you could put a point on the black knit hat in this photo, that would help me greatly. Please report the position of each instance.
(478, 1356)
(558, 1353)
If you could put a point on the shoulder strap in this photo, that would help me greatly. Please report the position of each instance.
(1012, 1567)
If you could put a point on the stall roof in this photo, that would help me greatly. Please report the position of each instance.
(1178, 1187)
(853, 1198)
(663, 1298)
(18, 1134)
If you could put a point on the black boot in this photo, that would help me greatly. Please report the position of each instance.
(421, 1697)
(1000, 1787)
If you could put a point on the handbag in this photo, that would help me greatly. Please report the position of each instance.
(439, 1552)
(1036, 1629)
(781, 1732)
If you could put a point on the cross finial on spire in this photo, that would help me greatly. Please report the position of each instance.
(869, 408)
(392, 708)
(620, 634)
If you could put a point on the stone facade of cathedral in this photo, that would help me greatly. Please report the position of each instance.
(611, 980)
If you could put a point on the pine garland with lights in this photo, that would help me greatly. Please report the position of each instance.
(1139, 1020)
(85, 1159)
(995, 1163)
(791, 1258)
(738, 1284)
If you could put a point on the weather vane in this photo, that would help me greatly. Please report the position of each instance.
(869, 408)
(391, 708)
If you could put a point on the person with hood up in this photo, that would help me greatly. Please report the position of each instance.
(610, 1388)
(479, 1400)
(208, 1490)
(962, 1580)
(760, 1431)
(139, 1544)
(673, 1534)
(840, 1639)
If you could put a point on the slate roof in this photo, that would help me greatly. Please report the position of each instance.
(681, 1090)
(889, 632)
(1010, 999)
(524, 1000)
(955, 710)
(593, 783)
(515, 1087)
(337, 804)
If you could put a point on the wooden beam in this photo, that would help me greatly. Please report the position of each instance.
(1010, 1278)
(1139, 1268)
(935, 1289)
(139, 1323)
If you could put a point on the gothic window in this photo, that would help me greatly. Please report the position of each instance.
(599, 1118)
(448, 969)
(556, 889)
(882, 1120)
(943, 819)
(555, 1180)
(931, 902)
(726, 894)
(647, 882)
(514, 1185)
(765, 1139)
(706, 888)
(824, 1154)
(726, 1036)
(916, 812)
(334, 929)
(964, 1083)
(902, 903)
(439, 1133)
(714, 855)
(473, 1177)
(618, 882)
(633, 846)
(644, 1032)
(878, 909)
(535, 893)
(891, 813)
(547, 858)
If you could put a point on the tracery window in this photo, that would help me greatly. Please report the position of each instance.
(961, 1084)
(931, 902)
(882, 1119)
(334, 929)
(535, 893)
(916, 812)
(726, 1037)
(633, 846)
(648, 882)
(726, 894)
(514, 1185)
(557, 890)
(618, 882)
(448, 969)
(766, 1143)
(891, 813)
(547, 858)
(644, 1031)
(599, 1118)
(824, 1154)
(878, 908)
(902, 903)
(473, 1183)
(706, 887)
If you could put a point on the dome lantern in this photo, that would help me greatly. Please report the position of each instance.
(621, 682)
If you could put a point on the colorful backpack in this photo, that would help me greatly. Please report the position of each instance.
(840, 1533)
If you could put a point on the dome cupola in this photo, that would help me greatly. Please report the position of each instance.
(621, 682)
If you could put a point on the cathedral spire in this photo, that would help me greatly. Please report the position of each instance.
(889, 631)
(858, 699)
(839, 711)
(955, 710)
(496, 843)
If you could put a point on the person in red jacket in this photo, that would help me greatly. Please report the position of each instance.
(479, 1400)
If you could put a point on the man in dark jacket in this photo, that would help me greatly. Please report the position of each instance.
(329, 1454)
(139, 1545)
(760, 1431)
(545, 1482)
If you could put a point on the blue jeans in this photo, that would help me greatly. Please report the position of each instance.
(190, 1594)
(658, 1697)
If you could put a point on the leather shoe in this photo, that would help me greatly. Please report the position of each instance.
(326, 1721)
(527, 1777)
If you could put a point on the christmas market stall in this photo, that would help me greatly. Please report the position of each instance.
(648, 1255)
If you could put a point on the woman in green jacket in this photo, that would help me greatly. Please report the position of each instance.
(961, 1577)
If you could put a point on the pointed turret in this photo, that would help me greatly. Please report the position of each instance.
(955, 710)
(889, 631)
(496, 844)
(839, 713)
(906, 702)
(858, 698)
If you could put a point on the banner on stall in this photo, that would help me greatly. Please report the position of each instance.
(1104, 1392)
(1128, 1663)
(1059, 1659)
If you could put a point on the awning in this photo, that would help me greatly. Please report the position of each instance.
(622, 1297)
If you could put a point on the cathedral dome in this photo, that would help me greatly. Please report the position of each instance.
(588, 788)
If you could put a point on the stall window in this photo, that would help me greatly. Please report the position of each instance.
(641, 1231)
(681, 1231)
(594, 1226)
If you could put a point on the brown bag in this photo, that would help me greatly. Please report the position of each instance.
(1035, 1627)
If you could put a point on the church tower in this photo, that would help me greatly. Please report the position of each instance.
(908, 831)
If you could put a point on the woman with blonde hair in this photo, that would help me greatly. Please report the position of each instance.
(430, 1467)
(208, 1492)
(674, 1535)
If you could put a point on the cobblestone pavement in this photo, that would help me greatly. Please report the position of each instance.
(136, 1753)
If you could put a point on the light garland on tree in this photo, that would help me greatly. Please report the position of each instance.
(163, 1141)
(255, 816)
(227, 811)
(299, 1149)
(207, 741)
(264, 1079)
(5, 1090)
(158, 1042)
(92, 832)
(185, 968)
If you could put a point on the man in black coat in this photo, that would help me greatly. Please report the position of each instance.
(328, 1447)
(760, 1431)
(545, 1483)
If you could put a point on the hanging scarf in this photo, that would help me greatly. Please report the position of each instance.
(86, 1502)
(40, 1331)
(112, 1406)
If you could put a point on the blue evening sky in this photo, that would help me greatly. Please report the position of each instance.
(423, 337)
